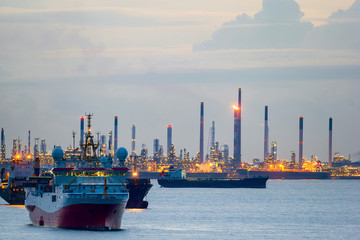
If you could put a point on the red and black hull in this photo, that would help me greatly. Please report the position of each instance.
(80, 216)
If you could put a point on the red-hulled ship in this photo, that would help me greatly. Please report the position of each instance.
(89, 197)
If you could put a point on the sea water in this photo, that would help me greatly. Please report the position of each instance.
(286, 209)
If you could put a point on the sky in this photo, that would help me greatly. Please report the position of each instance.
(151, 63)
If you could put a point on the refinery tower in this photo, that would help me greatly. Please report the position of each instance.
(237, 132)
(301, 141)
(266, 134)
(201, 156)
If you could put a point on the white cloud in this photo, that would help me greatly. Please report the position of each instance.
(341, 31)
(279, 25)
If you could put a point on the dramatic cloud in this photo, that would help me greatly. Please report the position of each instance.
(341, 32)
(277, 25)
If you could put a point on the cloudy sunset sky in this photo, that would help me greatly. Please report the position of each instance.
(152, 62)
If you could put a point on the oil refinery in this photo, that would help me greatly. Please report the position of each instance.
(216, 161)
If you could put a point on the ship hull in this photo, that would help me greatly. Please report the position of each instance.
(13, 196)
(290, 174)
(80, 216)
(138, 189)
(258, 182)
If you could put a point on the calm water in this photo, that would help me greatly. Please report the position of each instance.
(289, 209)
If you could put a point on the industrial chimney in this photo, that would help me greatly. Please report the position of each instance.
(201, 160)
(330, 142)
(133, 141)
(115, 133)
(266, 134)
(169, 138)
(81, 130)
(301, 141)
(237, 132)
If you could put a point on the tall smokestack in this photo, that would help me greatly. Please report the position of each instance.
(237, 132)
(213, 135)
(73, 133)
(169, 138)
(82, 130)
(110, 143)
(156, 147)
(330, 142)
(115, 133)
(2, 144)
(201, 157)
(301, 141)
(266, 134)
(29, 144)
(133, 141)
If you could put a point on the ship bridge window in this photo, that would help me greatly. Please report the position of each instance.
(100, 174)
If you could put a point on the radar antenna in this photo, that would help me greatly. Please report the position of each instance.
(89, 147)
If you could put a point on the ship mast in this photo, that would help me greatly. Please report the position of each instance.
(89, 147)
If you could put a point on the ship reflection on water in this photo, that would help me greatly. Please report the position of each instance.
(135, 209)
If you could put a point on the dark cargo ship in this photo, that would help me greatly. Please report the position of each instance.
(177, 179)
(11, 188)
(289, 174)
(138, 189)
(14, 195)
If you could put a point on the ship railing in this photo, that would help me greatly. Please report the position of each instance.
(98, 192)
(116, 195)
(98, 184)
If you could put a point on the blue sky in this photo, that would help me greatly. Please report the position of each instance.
(153, 63)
